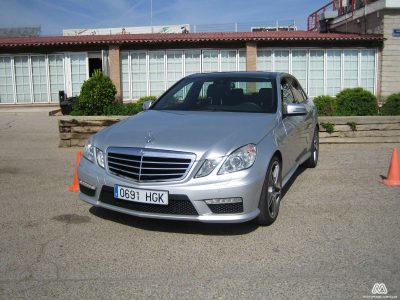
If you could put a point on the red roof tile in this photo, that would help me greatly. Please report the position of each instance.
(189, 37)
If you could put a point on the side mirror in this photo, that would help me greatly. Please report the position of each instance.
(147, 104)
(295, 109)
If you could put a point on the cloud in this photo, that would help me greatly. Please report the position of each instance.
(63, 9)
(128, 13)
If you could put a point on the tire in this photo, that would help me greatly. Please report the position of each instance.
(314, 155)
(270, 194)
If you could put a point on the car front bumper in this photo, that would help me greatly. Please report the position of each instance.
(245, 184)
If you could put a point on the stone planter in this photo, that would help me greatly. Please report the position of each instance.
(74, 131)
(368, 129)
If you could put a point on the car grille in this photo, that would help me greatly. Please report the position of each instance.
(149, 164)
(228, 208)
(177, 204)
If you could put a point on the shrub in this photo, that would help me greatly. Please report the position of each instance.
(120, 109)
(391, 106)
(75, 110)
(326, 105)
(356, 102)
(138, 105)
(115, 109)
(97, 94)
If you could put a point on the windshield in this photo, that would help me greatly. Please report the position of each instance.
(235, 94)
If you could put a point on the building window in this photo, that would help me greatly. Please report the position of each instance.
(56, 75)
(350, 68)
(299, 66)
(156, 73)
(210, 61)
(228, 60)
(316, 82)
(242, 60)
(6, 81)
(281, 58)
(367, 72)
(264, 60)
(39, 78)
(324, 74)
(79, 72)
(139, 74)
(125, 75)
(192, 62)
(174, 67)
(22, 80)
(242, 67)
(333, 71)
(210, 64)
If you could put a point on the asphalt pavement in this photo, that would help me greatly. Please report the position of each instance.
(337, 233)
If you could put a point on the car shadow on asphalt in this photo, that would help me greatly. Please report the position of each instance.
(184, 227)
(296, 174)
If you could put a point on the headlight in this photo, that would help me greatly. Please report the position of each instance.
(88, 151)
(207, 167)
(240, 159)
(91, 153)
(100, 158)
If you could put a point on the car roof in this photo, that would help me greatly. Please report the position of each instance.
(255, 74)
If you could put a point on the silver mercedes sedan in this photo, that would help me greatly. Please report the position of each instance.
(215, 147)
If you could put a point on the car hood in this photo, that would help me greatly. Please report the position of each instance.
(207, 134)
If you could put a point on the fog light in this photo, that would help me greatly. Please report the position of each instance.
(87, 185)
(224, 200)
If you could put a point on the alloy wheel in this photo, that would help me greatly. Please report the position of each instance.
(274, 190)
(315, 146)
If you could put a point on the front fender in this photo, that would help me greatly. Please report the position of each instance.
(267, 148)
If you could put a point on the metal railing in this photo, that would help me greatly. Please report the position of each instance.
(342, 7)
(280, 25)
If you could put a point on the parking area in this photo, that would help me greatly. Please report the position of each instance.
(337, 234)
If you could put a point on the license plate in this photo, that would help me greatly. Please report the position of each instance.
(139, 195)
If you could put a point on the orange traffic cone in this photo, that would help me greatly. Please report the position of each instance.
(393, 177)
(74, 187)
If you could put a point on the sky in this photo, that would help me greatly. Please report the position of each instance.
(53, 16)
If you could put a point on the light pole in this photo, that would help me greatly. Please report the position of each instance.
(151, 15)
